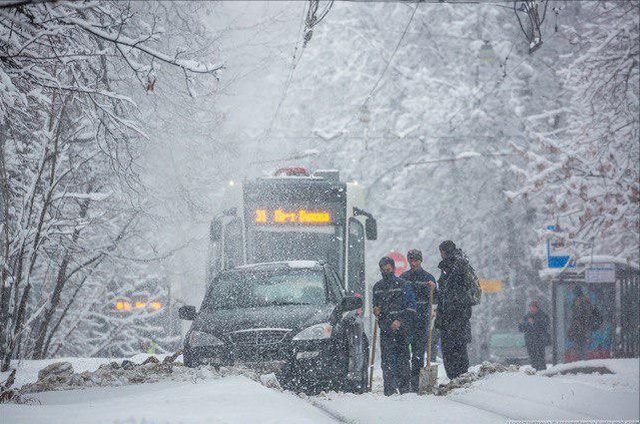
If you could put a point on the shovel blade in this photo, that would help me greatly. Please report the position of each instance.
(428, 379)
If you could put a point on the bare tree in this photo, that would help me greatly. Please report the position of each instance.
(68, 151)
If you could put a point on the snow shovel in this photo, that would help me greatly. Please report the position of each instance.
(428, 379)
(373, 353)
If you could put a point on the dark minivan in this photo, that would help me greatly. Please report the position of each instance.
(295, 315)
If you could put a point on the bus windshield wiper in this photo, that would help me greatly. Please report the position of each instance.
(283, 303)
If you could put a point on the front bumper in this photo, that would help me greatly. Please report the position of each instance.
(308, 360)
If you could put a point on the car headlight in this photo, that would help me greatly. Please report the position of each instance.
(315, 332)
(199, 338)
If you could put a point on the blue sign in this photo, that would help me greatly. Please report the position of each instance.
(554, 259)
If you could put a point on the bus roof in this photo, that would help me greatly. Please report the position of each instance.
(280, 265)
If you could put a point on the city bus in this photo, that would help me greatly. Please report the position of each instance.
(294, 215)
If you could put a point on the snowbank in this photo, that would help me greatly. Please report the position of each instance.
(27, 370)
(474, 374)
(78, 373)
(624, 376)
(61, 375)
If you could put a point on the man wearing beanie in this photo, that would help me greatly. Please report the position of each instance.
(394, 305)
(421, 283)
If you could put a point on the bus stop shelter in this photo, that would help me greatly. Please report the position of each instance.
(612, 287)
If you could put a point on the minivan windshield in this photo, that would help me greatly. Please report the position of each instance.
(250, 289)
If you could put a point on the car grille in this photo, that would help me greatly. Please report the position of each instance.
(258, 337)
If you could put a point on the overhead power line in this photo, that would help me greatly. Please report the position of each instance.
(310, 20)
(386, 67)
(462, 156)
(313, 18)
(294, 63)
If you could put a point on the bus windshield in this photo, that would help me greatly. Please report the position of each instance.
(250, 289)
(283, 244)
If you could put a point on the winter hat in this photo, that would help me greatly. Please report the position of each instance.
(414, 254)
(387, 260)
(447, 246)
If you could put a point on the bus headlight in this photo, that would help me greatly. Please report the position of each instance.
(315, 332)
(198, 338)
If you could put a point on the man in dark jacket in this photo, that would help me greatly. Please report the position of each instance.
(454, 310)
(394, 305)
(585, 319)
(535, 327)
(421, 282)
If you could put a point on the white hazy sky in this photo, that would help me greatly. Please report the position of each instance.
(258, 42)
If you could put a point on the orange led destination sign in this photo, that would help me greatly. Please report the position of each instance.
(300, 216)
(125, 305)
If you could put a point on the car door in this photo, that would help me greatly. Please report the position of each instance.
(351, 325)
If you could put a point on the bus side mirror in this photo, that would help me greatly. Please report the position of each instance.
(215, 231)
(371, 228)
(187, 313)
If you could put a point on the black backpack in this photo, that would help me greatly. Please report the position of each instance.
(471, 282)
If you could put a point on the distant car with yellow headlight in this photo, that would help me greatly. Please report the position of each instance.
(294, 315)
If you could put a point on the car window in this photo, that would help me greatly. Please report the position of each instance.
(335, 286)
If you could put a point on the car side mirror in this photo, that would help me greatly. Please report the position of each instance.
(350, 303)
(371, 228)
(187, 313)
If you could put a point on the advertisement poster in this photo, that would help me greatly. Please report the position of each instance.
(588, 324)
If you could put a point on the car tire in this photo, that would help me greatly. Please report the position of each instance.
(362, 384)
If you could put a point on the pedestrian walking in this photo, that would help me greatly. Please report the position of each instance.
(456, 294)
(394, 305)
(421, 282)
(535, 326)
(585, 319)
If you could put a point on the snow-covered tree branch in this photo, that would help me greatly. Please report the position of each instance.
(583, 159)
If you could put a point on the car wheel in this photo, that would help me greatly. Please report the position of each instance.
(361, 385)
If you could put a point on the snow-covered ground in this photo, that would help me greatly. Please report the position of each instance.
(503, 396)
(236, 399)
(229, 400)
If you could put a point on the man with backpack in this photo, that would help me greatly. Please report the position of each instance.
(421, 282)
(458, 291)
